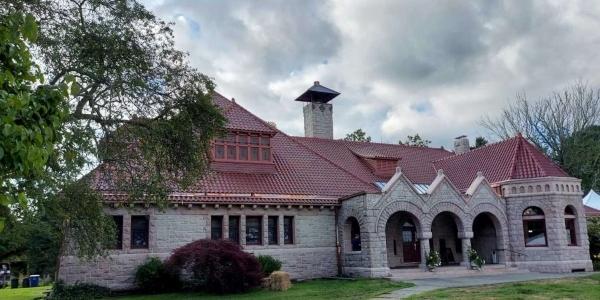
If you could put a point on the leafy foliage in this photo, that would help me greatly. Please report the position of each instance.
(215, 266)
(268, 264)
(433, 260)
(31, 113)
(480, 142)
(78, 291)
(474, 258)
(153, 277)
(416, 140)
(593, 227)
(582, 157)
(358, 136)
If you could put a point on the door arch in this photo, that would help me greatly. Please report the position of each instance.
(402, 240)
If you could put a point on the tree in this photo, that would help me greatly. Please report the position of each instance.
(480, 142)
(582, 157)
(31, 112)
(358, 136)
(135, 106)
(549, 121)
(415, 140)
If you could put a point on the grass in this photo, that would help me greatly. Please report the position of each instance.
(23, 293)
(313, 289)
(570, 288)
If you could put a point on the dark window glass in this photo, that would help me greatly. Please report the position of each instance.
(355, 235)
(273, 232)
(139, 232)
(219, 151)
(231, 138)
(254, 230)
(243, 139)
(571, 236)
(266, 154)
(254, 140)
(534, 227)
(119, 228)
(288, 230)
(265, 141)
(216, 227)
(231, 152)
(234, 229)
(243, 153)
(254, 153)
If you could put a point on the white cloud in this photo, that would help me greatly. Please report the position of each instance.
(403, 67)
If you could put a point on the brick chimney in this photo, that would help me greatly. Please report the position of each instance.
(318, 113)
(461, 144)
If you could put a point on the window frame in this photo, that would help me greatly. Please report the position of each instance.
(147, 232)
(354, 227)
(243, 140)
(259, 241)
(292, 234)
(275, 234)
(220, 219)
(119, 242)
(235, 229)
(529, 219)
(571, 225)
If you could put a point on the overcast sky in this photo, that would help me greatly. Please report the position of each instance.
(402, 67)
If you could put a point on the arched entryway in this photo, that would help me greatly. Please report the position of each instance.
(445, 241)
(487, 239)
(402, 243)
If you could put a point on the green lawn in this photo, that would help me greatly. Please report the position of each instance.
(571, 288)
(22, 293)
(313, 289)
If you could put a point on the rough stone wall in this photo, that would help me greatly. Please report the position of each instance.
(312, 255)
(318, 120)
(557, 256)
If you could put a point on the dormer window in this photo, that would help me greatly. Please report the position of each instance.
(243, 146)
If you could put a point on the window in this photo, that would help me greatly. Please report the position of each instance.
(119, 234)
(216, 227)
(288, 230)
(139, 232)
(273, 232)
(243, 146)
(253, 230)
(534, 227)
(234, 229)
(355, 235)
(570, 218)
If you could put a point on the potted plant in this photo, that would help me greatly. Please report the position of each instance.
(433, 260)
(476, 261)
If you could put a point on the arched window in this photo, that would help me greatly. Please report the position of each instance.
(353, 234)
(534, 227)
(570, 217)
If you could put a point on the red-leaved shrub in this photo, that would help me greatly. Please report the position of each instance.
(215, 266)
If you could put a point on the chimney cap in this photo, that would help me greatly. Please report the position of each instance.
(460, 137)
(318, 93)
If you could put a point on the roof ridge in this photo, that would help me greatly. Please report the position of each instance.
(373, 143)
(326, 159)
(538, 163)
(277, 130)
(513, 161)
(475, 149)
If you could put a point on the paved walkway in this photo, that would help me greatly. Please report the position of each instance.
(424, 285)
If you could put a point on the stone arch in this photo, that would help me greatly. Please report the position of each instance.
(399, 206)
(500, 222)
(351, 228)
(462, 218)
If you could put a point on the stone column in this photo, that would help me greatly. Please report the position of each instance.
(424, 238)
(225, 227)
(466, 245)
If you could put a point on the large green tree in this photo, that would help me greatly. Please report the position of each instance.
(415, 140)
(135, 105)
(581, 153)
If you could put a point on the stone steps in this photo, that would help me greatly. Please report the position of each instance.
(451, 271)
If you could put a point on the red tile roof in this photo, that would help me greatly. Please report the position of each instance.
(514, 158)
(590, 211)
(318, 171)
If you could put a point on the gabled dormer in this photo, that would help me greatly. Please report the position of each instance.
(243, 147)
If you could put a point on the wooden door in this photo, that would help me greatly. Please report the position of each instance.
(411, 249)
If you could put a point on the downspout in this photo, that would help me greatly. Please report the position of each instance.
(338, 248)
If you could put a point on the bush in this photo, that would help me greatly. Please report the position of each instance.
(215, 266)
(78, 291)
(278, 281)
(268, 264)
(153, 277)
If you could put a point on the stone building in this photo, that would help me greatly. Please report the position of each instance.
(326, 207)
